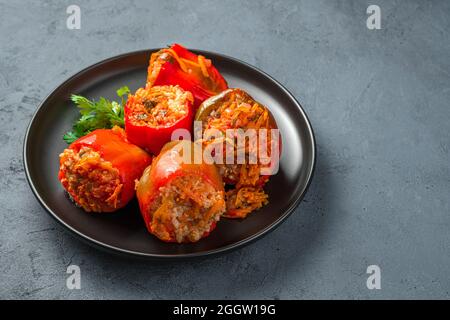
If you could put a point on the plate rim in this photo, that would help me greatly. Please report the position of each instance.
(227, 248)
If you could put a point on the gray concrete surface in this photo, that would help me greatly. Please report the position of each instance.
(378, 101)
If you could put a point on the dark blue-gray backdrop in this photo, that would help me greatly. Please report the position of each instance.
(377, 99)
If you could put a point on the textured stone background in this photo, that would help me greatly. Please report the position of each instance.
(379, 104)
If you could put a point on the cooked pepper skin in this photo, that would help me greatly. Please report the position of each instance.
(167, 166)
(112, 145)
(200, 86)
(153, 138)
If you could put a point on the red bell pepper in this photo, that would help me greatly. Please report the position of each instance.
(164, 169)
(152, 114)
(113, 147)
(178, 66)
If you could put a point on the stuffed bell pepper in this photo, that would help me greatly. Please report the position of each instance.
(236, 109)
(180, 200)
(99, 170)
(153, 113)
(194, 73)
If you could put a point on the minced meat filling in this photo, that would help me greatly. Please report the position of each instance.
(93, 183)
(159, 106)
(186, 209)
(241, 111)
(240, 202)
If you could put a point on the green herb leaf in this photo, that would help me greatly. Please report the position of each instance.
(123, 91)
(70, 137)
(97, 114)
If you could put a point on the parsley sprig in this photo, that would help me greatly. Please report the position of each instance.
(97, 114)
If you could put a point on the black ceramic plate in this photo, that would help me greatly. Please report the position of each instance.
(124, 231)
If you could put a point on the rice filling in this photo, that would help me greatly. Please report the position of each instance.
(240, 111)
(159, 106)
(186, 209)
(93, 183)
